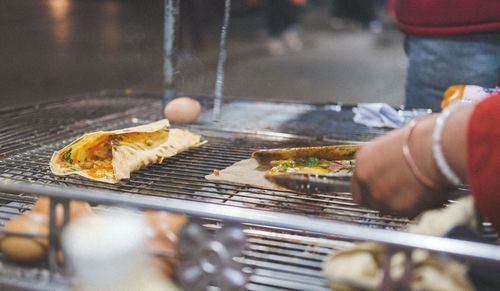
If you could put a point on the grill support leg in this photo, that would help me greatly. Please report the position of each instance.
(55, 231)
(170, 49)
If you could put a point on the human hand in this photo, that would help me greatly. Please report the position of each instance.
(383, 180)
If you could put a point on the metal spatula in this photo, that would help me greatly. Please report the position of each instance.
(312, 183)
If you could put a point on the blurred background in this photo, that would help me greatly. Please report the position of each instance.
(317, 51)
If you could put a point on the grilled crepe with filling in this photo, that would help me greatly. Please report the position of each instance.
(309, 160)
(336, 159)
(330, 153)
(109, 156)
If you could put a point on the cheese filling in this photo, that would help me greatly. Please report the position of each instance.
(311, 165)
(96, 159)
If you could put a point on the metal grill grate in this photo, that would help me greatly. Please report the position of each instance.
(275, 259)
(272, 259)
(278, 261)
(182, 177)
(32, 127)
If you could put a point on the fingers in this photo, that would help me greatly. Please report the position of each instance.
(363, 196)
(381, 180)
(360, 191)
(360, 186)
(402, 203)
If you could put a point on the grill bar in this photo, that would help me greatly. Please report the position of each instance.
(471, 250)
(261, 243)
(183, 177)
(275, 258)
(285, 284)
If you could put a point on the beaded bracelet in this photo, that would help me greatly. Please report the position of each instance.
(428, 182)
(437, 149)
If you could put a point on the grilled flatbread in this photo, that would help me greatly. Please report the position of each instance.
(325, 160)
(245, 172)
(330, 153)
(109, 156)
(309, 160)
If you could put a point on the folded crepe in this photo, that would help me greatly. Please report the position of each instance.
(361, 267)
(110, 156)
(252, 172)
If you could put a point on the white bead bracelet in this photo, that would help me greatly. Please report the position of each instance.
(437, 148)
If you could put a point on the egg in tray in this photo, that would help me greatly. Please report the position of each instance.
(24, 240)
(110, 248)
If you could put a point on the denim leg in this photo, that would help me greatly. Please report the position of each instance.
(435, 63)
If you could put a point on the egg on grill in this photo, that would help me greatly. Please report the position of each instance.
(182, 110)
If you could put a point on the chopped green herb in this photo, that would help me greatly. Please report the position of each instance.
(284, 167)
(149, 142)
(67, 156)
(311, 162)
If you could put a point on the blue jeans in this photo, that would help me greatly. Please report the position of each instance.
(435, 63)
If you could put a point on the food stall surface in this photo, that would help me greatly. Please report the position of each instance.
(274, 258)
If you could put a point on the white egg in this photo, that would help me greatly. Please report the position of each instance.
(182, 110)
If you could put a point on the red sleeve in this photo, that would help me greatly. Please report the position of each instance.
(447, 17)
(483, 158)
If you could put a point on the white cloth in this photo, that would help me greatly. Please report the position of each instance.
(377, 115)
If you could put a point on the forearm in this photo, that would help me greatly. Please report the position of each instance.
(453, 144)
(454, 141)
(393, 172)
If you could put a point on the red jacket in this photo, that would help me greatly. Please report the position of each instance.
(483, 158)
(447, 17)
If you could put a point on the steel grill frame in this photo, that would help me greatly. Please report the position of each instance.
(182, 177)
(266, 257)
(275, 259)
(26, 158)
